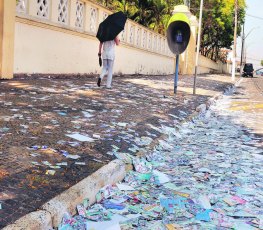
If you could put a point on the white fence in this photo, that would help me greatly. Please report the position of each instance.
(58, 36)
(84, 16)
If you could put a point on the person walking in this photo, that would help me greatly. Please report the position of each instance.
(108, 57)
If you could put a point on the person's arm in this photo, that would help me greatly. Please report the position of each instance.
(117, 41)
(100, 46)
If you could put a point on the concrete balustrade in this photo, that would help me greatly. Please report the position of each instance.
(84, 16)
(59, 37)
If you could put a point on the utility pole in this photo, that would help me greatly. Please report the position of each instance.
(244, 57)
(198, 45)
(242, 50)
(235, 45)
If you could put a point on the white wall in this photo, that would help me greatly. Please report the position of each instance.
(43, 50)
(44, 44)
(206, 65)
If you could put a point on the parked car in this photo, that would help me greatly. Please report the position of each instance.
(259, 72)
(248, 70)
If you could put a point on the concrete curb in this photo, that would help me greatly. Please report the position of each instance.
(51, 213)
(34, 220)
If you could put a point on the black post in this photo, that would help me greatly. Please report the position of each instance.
(242, 49)
(176, 74)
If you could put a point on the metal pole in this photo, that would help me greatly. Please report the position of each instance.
(242, 50)
(235, 44)
(176, 74)
(245, 56)
(198, 45)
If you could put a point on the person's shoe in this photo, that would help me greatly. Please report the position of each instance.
(99, 81)
(108, 87)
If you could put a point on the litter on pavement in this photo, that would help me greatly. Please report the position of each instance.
(207, 174)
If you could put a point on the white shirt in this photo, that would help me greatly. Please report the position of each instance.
(108, 50)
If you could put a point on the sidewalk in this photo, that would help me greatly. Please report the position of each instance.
(206, 174)
(38, 161)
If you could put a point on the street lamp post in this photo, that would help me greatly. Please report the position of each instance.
(242, 50)
(235, 43)
(243, 45)
(198, 45)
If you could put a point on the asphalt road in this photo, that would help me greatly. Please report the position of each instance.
(247, 104)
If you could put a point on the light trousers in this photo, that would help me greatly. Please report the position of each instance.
(107, 69)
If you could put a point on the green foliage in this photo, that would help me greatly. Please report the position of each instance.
(153, 14)
(261, 62)
(217, 27)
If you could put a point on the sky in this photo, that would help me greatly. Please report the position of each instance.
(254, 41)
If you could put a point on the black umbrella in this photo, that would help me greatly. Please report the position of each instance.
(111, 26)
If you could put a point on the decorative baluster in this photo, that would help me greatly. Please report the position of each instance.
(21, 6)
(159, 44)
(150, 41)
(155, 43)
(80, 14)
(93, 19)
(104, 15)
(43, 8)
(144, 38)
(123, 34)
(63, 8)
(131, 36)
(138, 35)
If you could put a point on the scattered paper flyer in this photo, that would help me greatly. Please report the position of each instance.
(80, 137)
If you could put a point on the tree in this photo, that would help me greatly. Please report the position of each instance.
(153, 14)
(159, 12)
(261, 62)
(126, 6)
(106, 3)
(144, 13)
(218, 26)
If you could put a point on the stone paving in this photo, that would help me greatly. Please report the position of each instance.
(37, 159)
(206, 174)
